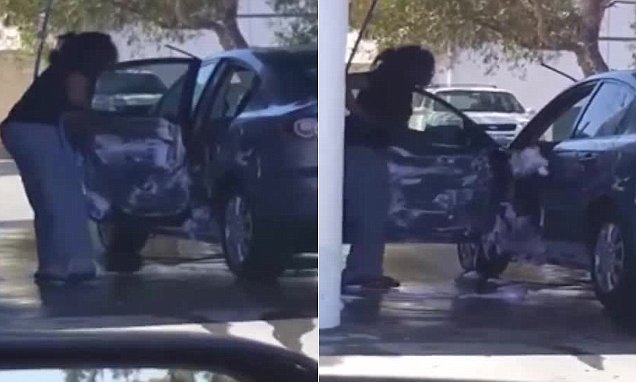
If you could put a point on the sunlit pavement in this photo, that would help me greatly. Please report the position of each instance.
(175, 291)
(535, 324)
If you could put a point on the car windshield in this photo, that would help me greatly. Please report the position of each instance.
(130, 83)
(482, 101)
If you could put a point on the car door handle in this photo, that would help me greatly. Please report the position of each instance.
(588, 157)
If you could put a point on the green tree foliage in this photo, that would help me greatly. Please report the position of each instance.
(159, 18)
(515, 31)
(296, 30)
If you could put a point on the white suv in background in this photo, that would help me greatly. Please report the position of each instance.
(497, 110)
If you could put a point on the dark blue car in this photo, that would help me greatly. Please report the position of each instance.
(562, 192)
(227, 153)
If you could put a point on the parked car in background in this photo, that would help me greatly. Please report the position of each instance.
(562, 192)
(128, 91)
(227, 153)
(496, 110)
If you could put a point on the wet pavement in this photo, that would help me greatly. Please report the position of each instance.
(450, 319)
(183, 286)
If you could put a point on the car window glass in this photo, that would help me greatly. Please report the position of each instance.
(203, 77)
(234, 93)
(627, 125)
(171, 101)
(139, 89)
(440, 123)
(563, 124)
(607, 109)
(482, 101)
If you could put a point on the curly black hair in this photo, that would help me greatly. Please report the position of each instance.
(408, 65)
(88, 52)
(395, 74)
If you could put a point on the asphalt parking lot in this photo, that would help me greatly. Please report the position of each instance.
(183, 286)
(547, 317)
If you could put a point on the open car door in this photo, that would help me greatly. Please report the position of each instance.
(441, 176)
(131, 142)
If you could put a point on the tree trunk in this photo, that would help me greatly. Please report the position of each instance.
(587, 53)
(222, 20)
(227, 30)
(230, 35)
(590, 61)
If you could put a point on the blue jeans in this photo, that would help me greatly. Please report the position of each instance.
(367, 197)
(52, 180)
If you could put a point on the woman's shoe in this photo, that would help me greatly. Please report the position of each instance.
(376, 283)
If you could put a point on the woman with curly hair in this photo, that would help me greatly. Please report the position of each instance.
(382, 106)
(34, 136)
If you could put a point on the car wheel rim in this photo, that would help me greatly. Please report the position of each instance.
(468, 254)
(609, 258)
(238, 229)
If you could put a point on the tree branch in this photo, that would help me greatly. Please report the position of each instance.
(505, 34)
(535, 8)
(221, 19)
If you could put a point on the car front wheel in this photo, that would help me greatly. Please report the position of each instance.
(252, 250)
(614, 268)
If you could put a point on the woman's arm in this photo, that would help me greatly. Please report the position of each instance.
(78, 90)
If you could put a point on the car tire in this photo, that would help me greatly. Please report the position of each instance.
(118, 246)
(467, 255)
(253, 251)
(486, 262)
(613, 267)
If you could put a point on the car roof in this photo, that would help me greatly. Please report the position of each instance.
(625, 76)
(256, 57)
(483, 88)
(271, 66)
(131, 72)
(628, 76)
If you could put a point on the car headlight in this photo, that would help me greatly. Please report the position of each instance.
(522, 123)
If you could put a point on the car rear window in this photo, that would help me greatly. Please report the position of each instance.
(130, 83)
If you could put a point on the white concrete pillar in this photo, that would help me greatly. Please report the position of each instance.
(333, 24)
